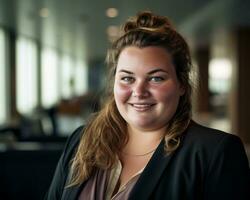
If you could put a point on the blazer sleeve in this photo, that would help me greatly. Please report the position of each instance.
(58, 182)
(228, 172)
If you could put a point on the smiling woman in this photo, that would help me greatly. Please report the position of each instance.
(143, 143)
(146, 88)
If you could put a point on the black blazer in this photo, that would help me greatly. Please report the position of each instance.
(208, 165)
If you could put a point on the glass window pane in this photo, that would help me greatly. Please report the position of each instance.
(50, 77)
(3, 80)
(220, 70)
(26, 74)
(67, 78)
(81, 78)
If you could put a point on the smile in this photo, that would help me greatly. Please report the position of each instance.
(141, 107)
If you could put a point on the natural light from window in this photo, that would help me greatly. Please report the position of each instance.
(81, 78)
(3, 85)
(27, 75)
(67, 77)
(50, 77)
(220, 70)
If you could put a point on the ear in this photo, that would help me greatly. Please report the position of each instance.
(182, 89)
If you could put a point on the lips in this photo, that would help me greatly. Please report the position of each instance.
(142, 106)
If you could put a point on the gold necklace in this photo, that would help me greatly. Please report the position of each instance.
(128, 154)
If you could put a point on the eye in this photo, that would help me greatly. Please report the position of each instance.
(127, 79)
(156, 79)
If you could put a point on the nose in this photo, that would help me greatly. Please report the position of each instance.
(140, 89)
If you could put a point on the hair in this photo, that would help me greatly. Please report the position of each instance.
(106, 133)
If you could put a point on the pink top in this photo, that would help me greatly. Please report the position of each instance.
(102, 183)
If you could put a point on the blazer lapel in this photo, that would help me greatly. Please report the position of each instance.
(151, 174)
(72, 193)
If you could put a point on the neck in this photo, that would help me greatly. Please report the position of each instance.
(144, 135)
(141, 142)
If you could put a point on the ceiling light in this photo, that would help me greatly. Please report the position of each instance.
(44, 12)
(113, 31)
(112, 12)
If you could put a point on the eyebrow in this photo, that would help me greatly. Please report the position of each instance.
(125, 71)
(157, 70)
(151, 72)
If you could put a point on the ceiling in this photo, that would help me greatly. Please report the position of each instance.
(78, 27)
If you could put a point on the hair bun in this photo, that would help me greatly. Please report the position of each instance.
(145, 19)
(130, 25)
(148, 20)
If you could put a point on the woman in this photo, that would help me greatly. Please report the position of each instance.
(143, 144)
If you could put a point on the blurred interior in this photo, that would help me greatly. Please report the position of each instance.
(52, 74)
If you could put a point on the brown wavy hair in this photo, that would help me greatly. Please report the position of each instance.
(105, 134)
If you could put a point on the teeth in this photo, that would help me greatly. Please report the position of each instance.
(141, 105)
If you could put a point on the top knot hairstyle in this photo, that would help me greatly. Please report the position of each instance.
(148, 29)
(106, 133)
(147, 20)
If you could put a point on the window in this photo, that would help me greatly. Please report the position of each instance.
(220, 70)
(3, 78)
(67, 77)
(50, 77)
(27, 75)
(81, 78)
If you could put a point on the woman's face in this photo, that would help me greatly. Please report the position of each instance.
(146, 87)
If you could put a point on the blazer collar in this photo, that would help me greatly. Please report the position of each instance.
(144, 185)
(151, 174)
(72, 193)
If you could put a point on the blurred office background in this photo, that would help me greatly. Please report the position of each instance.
(52, 74)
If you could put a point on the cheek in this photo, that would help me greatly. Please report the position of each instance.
(121, 93)
(166, 93)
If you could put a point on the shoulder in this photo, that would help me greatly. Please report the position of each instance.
(213, 148)
(222, 159)
(75, 136)
(71, 145)
(199, 134)
(209, 143)
(61, 173)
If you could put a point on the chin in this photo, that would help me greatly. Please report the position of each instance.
(145, 125)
